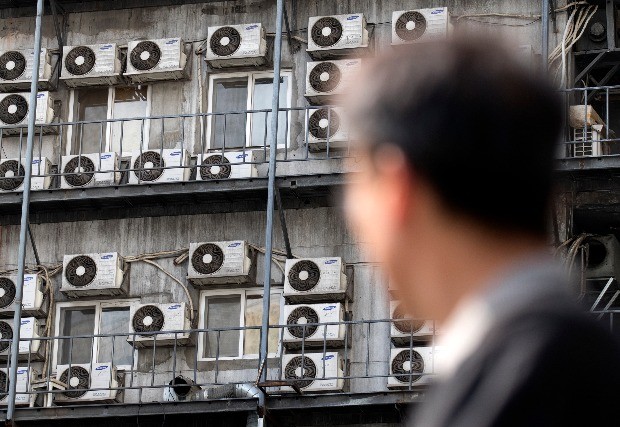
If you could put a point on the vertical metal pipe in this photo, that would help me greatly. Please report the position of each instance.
(23, 229)
(545, 36)
(273, 145)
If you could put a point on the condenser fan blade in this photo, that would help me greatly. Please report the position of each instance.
(81, 271)
(406, 364)
(12, 175)
(325, 77)
(79, 171)
(13, 109)
(225, 41)
(215, 167)
(302, 369)
(149, 166)
(76, 378)
(80, 60)
(410, 26)
(7, 292)
(324, 123)
(326, 32)
(145, 56)
(207, 258)
(302, 316)
(12, 65)
(148, 318)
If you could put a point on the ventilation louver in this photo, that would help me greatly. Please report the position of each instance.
(233, 164)
(220, 263)
(412, 366)
(149, 322)
(13, 172)
(337, 36)
(77, 379)
(159, 166)
(30, 347)
(236, 45)
(153, 60)
(315, 279)
(91, 65)
(414, 26)
(145, 55)
(326, 81)
(16, 70)
(92, 382)
(94, 274)
(33, 301)
(12, 65)
(313, 325)
(313, 372)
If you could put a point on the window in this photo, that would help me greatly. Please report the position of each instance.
(98, 104)
(229, 309)
(241, 92)
(93, 318)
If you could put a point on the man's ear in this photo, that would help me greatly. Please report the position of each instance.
(397, 182)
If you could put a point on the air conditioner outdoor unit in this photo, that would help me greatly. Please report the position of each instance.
(14, 113)
(30, 348)
(152, 60)
(326, 81)
(25, 377)
(236, 45)
(588, 142)
(327, 129)
(91, 65)
(315, 279)
(220, 263)
(603, 257)
(422, 25)
(94, 274)
(307, 371)
(87, 382)
(159, 166)
(12, 173)
(413, 367)
(33, 298)
(404, 329)
(147, 319)
(233, 164)
(83, 170)
(17, 66)
(337, 35)
(298, 316)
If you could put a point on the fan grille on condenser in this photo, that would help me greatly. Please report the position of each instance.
(7, 290)
(12, 65)
(310, 271)
(79, 176)
(145, 56)
(83, 385)
(208, 171)
(6, 335)
(324, 123)
(410, 26)
(149, 166)
(325, 77)
(15, 172)
(404, 324)
(225, 41)
(326, 32)
(207, 258)
(155, 319)
(81, 271)
(4, 384)
(309, 371)
(80, 60)
(416, 366)
(307, 313)
(13, 109)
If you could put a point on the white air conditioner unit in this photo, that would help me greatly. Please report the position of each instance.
(25, 377)
(404, 329)
(327, 129)
(152, 60)
(603, 257)
(337, 35)
(315, 279)
(12, 173)
(91, 65)
(84, 170)
(587, 142)
(17, 66)
(14, 113)
(307, 371)
(413, 366)
(329, 80)
(233, 164)
(159, 166)
(220, 263)
(422, 25)
(236, 45)
(298, 316)
(29, 349)
(94, 274)
(33, 298)
(87, 382)
(148, 319)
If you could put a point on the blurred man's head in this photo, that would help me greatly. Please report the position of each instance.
(456, 139)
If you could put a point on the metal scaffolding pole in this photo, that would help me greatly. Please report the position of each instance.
(273, 145)
(23, 230)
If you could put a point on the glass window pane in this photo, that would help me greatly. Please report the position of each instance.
(73, 322)
(229, 129)
(222, 312)
(92, 104)
(114, 320)
(261, 122)
(254, 317)
(129, 102)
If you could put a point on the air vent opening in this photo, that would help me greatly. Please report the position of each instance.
(597, 253)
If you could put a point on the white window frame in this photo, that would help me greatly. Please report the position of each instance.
(110, 116)
(252, 76)
(99, 306)
(276, 292)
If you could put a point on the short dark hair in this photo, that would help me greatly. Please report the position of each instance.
(474, 123)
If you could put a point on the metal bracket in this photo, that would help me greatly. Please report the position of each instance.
(275, 383)
(34, 245)
(589, 67)
(552, 4)
(61, 33)
(293, 45)
(287, 242)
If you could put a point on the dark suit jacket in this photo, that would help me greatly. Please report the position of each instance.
(543, 363)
